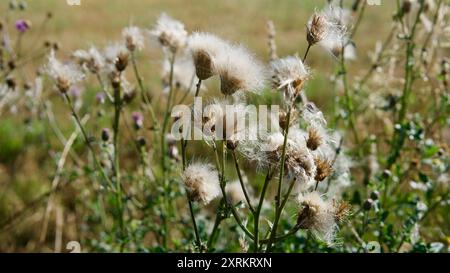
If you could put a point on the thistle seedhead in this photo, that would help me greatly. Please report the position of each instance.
(203, 64)
(342, 210)
(115, 80)
(90, 59)
(232, 144)
(229, 84)
(239, 70)
(201, 182)
(317, 215)
(121, 61)
(64, 74)
(316, 29)
(314, 139)
(324, 169)
(289, 75)
(62, 84)
(133, 38)
(234, 191)
(169, 33)
(208, 51)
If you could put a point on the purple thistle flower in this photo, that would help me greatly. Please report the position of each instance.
(105, 134)
(74, 91)
(138, 119)
(100, 97)
(22, 25)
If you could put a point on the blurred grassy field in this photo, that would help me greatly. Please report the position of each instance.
(96, 22)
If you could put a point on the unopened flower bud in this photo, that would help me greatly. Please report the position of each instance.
(368, 204)
(375, 195)
(115, 80)
(11, 65)
(386, 174)
(121, 61)
(232, 144)
(11, 83)
(105, 134)
(23, 5)
(406, 7)
(138, 120)
(129, 96)
(56, 46)
(62, 84)
(141, 141)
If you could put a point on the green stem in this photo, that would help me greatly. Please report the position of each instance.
(116, 122)
(359, 20)
(399, 136)
(163, 148)
(225, 198)
(166, 116)
(217, 222)
(306, 53)
(258, 210)
(197, 236)
(141, 87)
(348, 98)
(280, 182)
(199, 84)
(278, 217)
(241, 181)
(284, 236)
(87, 141)
(194, 223)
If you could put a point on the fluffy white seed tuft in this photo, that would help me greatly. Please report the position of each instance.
(134, 39)
(289, 74)
(239, 70)
(170, 33)
(207, 51)
(64, 74)
(201, 182)
(317, 216)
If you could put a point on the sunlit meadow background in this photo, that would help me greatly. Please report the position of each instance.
(27, 165)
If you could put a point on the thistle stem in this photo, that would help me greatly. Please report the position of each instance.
(194, 223)
(241, 181)
(306, 53)
(87, 141)
(258, 210)
(280, 182)
(141, 87)
(278, 216)
(217, 222)
(198, 86)
(167, 115)
(116, 122)
(197, 236)
(399, 136)
(348, 98)
(224, 194)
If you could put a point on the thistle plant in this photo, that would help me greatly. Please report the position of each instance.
(233, 151)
